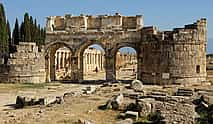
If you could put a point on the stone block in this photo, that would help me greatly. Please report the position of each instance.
(115, 102)
(137, 85)
(89, 89)
(158, 93)
(49, 100)
(207, 99)
(126, 121)
(23, 101)
(147, 106)
(184, 92)
(131, 114)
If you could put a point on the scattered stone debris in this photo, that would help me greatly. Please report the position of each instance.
(207, 99)
(184, 92)
(23, 101)
(60, 99)
(147, 106)
(133, 95)
(136, 107)
(159, 93)
(131, 114)
(113, 103)
(81, 121)
(126, 121)
(107, 84)
(137, 85)
(89, 89)
(72, 94)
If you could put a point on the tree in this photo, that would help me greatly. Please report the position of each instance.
(4, 45)
(8, 31)
(38, 35)
(9, 38)
(27, 34)
(43, 35)
(32, 29)
(16, 33)
(22, 32)
(28, 31)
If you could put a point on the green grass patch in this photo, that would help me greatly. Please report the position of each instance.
(35, 85)
(32, 85)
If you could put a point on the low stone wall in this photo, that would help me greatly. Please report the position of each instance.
(27, 65)
(176, 112)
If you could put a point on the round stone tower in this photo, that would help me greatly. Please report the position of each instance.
(175, 57)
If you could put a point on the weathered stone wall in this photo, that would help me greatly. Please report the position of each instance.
(87, 22)
(209, 63)
(164, 57)
(176, 57)
(27, 65)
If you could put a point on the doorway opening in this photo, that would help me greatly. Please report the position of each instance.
(126, 64)
(62, 64)
(94, 63)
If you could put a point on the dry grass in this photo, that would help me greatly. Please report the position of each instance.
(5, 87)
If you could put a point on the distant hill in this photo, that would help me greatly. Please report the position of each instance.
(210, 46)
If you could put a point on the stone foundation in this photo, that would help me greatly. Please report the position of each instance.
(27, 65)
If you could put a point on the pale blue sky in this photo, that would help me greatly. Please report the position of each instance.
(165, 14)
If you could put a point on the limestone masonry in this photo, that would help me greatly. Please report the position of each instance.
(163, 57)
(27, 65)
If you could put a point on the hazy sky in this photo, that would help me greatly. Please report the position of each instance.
(165, 14)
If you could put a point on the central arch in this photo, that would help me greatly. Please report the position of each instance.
(80, 56)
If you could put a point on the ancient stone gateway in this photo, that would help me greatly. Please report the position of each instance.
(164, 57)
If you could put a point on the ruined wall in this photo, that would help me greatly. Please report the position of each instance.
(176, 57)
(87, 22)
(164, 57)
(27, 65)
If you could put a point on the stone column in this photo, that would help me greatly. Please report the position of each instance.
(75, 74)
(63, 57)
(47, 68)
(93, 59)
(85, 63)
(98, 61)
(110, 68)
(59, 60)
(101, 62)
(139, 66)
(95, 55)
(89, 64)
(52, 66)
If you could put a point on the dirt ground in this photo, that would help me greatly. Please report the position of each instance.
(76, 107)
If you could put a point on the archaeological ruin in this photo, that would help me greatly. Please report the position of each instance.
(163, 57)
(93, 60)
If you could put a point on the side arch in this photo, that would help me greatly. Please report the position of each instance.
(53, 46)
(136, 47)
(49, 52)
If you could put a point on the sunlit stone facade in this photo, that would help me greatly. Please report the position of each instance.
(123, 59)
(93, 60)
